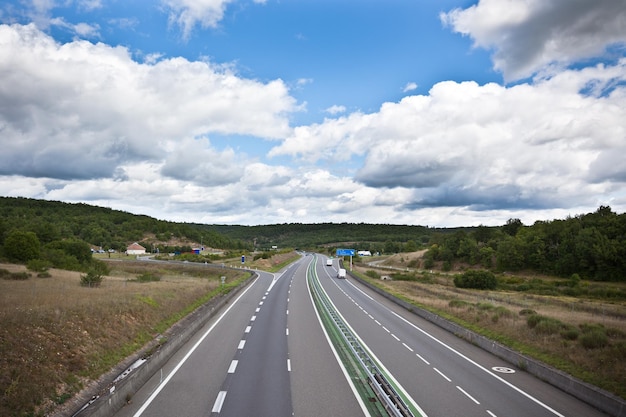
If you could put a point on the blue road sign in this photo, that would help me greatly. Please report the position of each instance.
(243, 258)
(346, 252)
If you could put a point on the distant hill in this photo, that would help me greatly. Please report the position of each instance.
(102, 227)
(352, 235)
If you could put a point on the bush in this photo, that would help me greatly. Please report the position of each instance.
(38, 265)
(15, 276)
(594, 339)
(527, 312)
(548, 326)
(94, 275)
(477, 279)
(91, 279)
(544, 325)
(458, 304)
(372, 274)
(570, 333)
(22, 246)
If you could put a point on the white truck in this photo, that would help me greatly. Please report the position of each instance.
(341, 273)
(329, 262)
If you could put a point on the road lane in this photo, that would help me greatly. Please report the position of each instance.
(258, 382)
(445, 375)
(318, 384)
(190, 381)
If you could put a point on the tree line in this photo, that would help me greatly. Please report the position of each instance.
(592, 245)
(65, 233)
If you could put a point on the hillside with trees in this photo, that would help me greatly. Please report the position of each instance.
(593, 246)
(64, 234)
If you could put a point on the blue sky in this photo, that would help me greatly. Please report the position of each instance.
(439, 113)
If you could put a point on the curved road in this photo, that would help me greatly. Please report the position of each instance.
(267, 354)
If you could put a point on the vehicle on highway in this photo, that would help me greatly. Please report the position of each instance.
(341, 273)
(329, 262)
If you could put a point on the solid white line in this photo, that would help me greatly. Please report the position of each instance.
(468, 396)
(368, 350)
(184, 359)
(442, 374)
(219, 402)
(479, 366)
(337, 358)
(233, 366)
(242, 343)
(519, 390)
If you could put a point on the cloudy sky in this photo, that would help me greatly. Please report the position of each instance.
(436, 112)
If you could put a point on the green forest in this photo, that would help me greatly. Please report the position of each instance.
(592, 245)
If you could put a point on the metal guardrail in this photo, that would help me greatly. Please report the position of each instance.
(391, 401)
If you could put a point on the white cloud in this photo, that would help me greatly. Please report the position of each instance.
(336, 109)
(189, 13)
(410, 86)
(83, 30)
(487, 147)
(528, 36)
(80, 110)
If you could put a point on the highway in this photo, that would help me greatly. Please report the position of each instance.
(267, 354)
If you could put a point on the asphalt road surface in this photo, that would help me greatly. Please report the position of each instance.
(267, 355)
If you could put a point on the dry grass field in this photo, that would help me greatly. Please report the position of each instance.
(564, 339)
(57, 336)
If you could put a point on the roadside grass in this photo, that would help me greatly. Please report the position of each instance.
(583, 337)
(58, 336)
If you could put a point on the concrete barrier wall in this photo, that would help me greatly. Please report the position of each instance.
(108, 397)
(596, 397)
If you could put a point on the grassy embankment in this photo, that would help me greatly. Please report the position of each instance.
(57, 337)
(583, 336)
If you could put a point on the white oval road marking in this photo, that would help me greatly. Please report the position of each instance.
(503, 370)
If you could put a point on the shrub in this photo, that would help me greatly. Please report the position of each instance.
(458, 304)
(477, 279)
(16, 276)
(403, 277)
(22, 246)
(94, 275)
(372, 274)
(570, 333)
(91, 279)
(527, 312)
(501, 311)
(594, 339)
(544, 325)
(548, 326)
(533, 320)
(38, 265)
